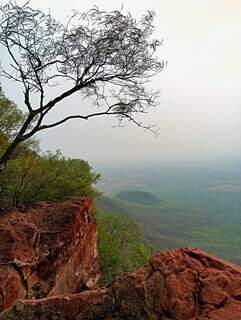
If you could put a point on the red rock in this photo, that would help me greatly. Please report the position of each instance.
(183, 284)
(49, 262)
(11, 287)
(48, 249)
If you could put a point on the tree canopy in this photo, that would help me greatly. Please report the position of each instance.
(108, 57)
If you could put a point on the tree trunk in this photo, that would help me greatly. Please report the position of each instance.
(19, 138)
(8, 153)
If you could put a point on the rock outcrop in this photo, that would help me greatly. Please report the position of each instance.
(179, 284)
(48, 249)
(49, 265)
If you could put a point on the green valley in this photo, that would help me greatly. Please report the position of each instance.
(195, 210)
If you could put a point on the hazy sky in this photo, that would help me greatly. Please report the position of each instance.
(200, 110)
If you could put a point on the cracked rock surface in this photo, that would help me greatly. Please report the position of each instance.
(49, 268)
(182, 284)
(48, 249)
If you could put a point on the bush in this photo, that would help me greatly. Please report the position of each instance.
(121, 245)
(32, 177)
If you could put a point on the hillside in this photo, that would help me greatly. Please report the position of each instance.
(200, 206)
(140, 197)
(160, 222)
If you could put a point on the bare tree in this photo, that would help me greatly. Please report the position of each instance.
(106, 56)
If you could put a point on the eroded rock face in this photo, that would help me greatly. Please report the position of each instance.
(48, 249)
(49, 264)
(179, 284)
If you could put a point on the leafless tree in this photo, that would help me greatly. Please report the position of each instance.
(106, 56)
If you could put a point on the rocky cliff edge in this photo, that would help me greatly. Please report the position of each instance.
(49, 270)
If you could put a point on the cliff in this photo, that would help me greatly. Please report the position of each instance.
(46, 250)
(62, 260)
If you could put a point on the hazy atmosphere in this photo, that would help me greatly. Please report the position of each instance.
(200, 107)
(102, 215)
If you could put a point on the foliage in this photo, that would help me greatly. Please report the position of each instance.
(121, 245)
(11, 117)
(50, 176)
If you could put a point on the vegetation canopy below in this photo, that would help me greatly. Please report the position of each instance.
(121, 245)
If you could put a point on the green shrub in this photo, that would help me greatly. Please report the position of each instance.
(121, 245)
(32, 177)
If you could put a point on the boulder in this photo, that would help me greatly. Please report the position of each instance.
(182, 284)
